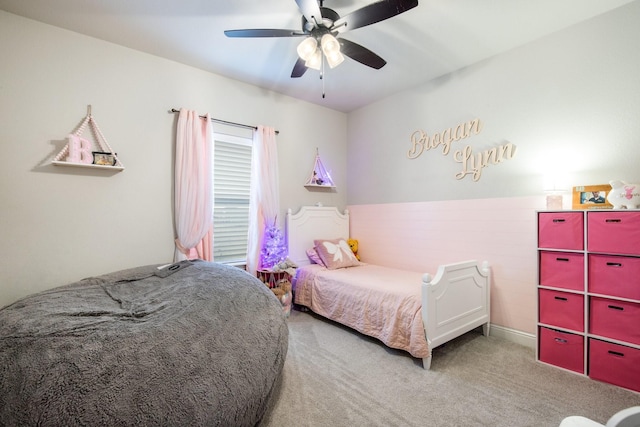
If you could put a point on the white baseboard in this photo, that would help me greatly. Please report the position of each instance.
(513, 335)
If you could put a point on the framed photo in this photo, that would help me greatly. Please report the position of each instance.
(103, 159)
(591, 197)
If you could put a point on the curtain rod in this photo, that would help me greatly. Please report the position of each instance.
(224, 122)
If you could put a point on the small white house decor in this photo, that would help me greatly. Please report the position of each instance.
(81, 152)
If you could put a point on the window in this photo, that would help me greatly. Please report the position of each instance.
(231, 186)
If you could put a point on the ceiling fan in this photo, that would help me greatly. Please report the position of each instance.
(320, 28)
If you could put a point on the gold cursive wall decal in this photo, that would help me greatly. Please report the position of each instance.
(472, 164)
(420, 139)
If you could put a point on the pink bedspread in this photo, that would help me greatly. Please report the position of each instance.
(377, 301)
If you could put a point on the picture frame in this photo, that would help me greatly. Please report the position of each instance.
(591, 197)
(102, 158)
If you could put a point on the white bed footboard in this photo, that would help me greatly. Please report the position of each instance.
(454, 302)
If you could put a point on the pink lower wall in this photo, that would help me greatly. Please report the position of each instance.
(420, 236)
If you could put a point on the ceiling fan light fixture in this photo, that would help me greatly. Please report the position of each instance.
(331, 49)
(334, 59)
(329, 44)
(307, 48)
(315, 60)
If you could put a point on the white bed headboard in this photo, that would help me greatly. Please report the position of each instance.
(310, 223)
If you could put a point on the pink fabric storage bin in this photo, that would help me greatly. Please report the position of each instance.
(562, 270)
(614, 364)
(562, 309)
(619, 320)
(561, 349)
(617, 276)
(614, 232)
(561, 230)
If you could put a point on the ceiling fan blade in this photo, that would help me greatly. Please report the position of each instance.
(310, 9)
(299, 68)
(264, 33)
(361, 54)
(375, 12)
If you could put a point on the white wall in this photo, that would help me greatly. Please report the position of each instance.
(569, 102)
(60, 224)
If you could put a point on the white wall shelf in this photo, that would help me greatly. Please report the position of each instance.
(319, 186)
(320, 177)
(100, 142)
(87, 165)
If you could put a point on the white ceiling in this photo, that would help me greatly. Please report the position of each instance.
(433, 39)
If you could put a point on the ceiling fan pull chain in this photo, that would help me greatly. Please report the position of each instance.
(322, 77)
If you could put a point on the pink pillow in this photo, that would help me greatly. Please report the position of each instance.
(314, 257)
(335, 253)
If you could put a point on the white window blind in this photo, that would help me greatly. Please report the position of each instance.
(232, 178)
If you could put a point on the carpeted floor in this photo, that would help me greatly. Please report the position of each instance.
(336, 377)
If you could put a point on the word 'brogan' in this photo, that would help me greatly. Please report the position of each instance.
(420, 139)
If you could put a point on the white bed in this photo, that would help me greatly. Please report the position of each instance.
(422, 312)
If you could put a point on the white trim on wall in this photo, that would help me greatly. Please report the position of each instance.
(518, 337)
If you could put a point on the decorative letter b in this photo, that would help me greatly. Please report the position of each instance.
(79, 150)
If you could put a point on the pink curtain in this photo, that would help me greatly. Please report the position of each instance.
(264, 194)
(204, 248)
(193, 201)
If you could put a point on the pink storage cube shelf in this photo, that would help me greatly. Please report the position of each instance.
(561, 230)
(562, 270)
(617, 276)
(619, 320)
(614, 364)
(561, 309)
(562, 349)
(614, 232)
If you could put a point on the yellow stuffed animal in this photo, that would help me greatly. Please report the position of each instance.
(353, 244)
